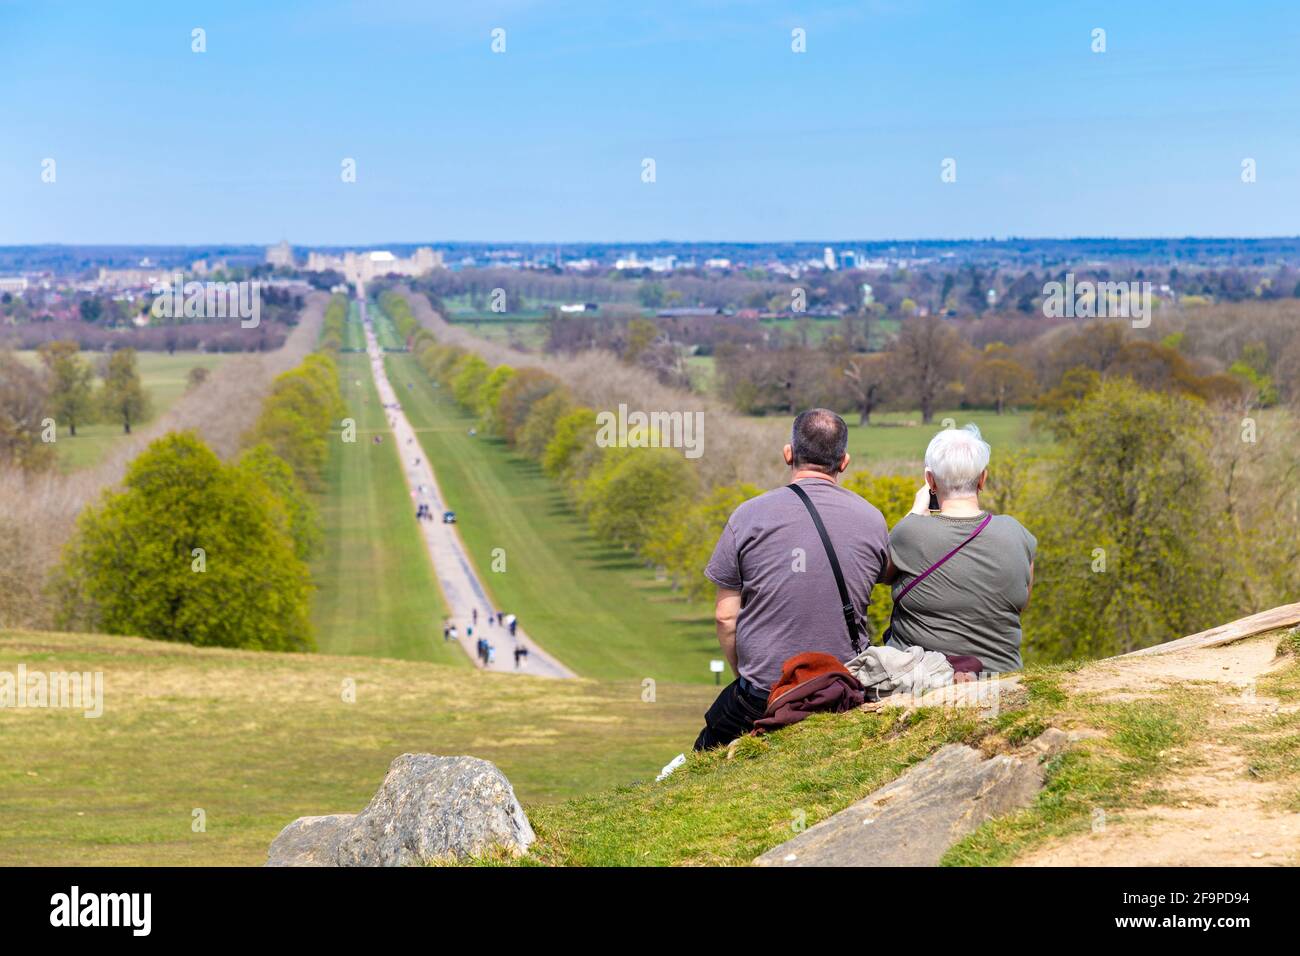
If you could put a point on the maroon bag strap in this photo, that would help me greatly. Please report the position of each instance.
(934, 567)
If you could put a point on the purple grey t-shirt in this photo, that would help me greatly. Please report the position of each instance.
(771, 553)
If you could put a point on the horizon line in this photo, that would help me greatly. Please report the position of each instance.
(648, 242)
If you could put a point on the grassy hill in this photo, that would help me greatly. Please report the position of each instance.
(1195, 755)
(1191, 757)
(597, 608)
(257, 739)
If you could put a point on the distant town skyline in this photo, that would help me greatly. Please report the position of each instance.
(1183, 123)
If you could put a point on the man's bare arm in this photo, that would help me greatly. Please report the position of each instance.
(725, 611)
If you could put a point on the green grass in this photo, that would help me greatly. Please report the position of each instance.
(897, 440)
(376, 591)
(385, 331)
(702, 371)
(522, 331)
(164, 378)
(817, 327)
(354, 336)
(597, 608)
(256, 739)
(716, 811)
(480, 317)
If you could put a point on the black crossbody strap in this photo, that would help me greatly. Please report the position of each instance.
(846, 604)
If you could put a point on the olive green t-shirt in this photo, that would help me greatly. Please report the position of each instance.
(972, 604)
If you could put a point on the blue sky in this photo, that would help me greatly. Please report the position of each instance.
(545, 142)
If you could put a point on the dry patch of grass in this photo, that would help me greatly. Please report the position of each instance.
(1197, 764)
(256, 739)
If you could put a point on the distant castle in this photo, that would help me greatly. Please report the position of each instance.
(364, 266)
(280, 255)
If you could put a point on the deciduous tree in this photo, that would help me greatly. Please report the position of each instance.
(23, 402)
(191, 551)
(123, 397)
(927, 350)
(71, 383)
(866, 378)
(631, 490)
(1128, 554)
(999, 380)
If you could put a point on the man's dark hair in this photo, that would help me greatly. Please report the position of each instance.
(819, 440)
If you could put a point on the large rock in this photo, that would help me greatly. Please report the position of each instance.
(916, 818)
(428, 808)
(310, 841)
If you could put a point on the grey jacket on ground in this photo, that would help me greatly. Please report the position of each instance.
(885, 671)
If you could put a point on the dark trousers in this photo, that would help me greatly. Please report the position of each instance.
(732, 714)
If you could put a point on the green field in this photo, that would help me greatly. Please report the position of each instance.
(702, 371)
(598, 609)
(896, 441)
(164, 378)
(354, 336)
(522, 332)
(818, 328)
(255, 739)
(527, 329)
(376, 591)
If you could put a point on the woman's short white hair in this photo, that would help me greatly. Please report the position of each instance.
(957, 457)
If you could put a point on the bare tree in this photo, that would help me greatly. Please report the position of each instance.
(24, 397)
(866, 379)
(926, 350)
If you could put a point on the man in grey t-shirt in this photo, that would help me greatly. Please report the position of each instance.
(776, 592)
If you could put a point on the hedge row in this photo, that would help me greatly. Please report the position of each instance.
(304, 404)
(648, 500)
(399, 310)
(336, 317)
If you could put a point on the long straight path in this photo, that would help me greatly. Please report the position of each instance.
(460, 583)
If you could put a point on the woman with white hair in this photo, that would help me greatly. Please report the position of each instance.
(961, 576)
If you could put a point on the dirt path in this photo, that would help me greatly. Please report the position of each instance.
(460, 583)
(1217, 813)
